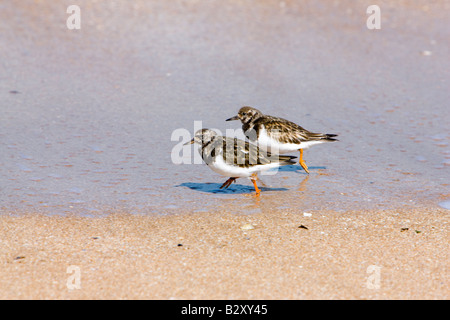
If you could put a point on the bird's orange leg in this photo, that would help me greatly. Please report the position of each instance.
(302, 163)
(254, 178)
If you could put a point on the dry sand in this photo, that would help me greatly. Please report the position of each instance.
(86, 123)
(212, 256)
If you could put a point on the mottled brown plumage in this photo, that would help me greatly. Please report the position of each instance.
(278, 134)
(235, 158)
(234, 152)
(280, 129)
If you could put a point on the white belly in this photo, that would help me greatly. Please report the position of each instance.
(227, 170)
(267, 143)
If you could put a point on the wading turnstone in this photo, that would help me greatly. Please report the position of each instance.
(235, 158)
(278, 135)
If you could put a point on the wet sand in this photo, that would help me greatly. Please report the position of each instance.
(217, 256)
(89, 117)
(88, 180)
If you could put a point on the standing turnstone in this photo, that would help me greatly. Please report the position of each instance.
(277, 134)
(235, 158)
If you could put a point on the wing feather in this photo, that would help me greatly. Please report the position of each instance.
(286, 131)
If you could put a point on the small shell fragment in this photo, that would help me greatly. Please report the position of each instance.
(247, 226)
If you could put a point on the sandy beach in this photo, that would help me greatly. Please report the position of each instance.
(97, 202)
(272, 255)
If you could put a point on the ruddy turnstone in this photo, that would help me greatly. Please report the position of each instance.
(235, 158)
(278, 135)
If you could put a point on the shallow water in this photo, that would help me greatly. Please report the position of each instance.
(87, 116)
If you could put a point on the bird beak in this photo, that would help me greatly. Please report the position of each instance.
(189, 142)
(233, 118)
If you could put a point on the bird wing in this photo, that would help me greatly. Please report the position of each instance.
(240, 153)
(289, 132)
(243, 154)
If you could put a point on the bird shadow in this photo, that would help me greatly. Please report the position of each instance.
(232, 189)
(298, 168)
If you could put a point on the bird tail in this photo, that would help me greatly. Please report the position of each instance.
(287, 160)
(329, 137)
(321, 136)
